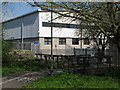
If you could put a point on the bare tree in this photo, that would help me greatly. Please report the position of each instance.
(104, 15)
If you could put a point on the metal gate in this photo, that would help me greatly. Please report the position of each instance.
(35, 47)
(27, 46)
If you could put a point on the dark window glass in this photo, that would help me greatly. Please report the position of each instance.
(47, 41)
(86, 42)
(63, 25)
(75, 41)
(62, 41)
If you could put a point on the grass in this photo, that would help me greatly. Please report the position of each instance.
(8, 70)
(70, 80)
(23, 66)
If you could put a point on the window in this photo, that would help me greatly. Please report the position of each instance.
(75, 41)
(47, 41)
(86, 42)
(63, 25)
(62, 41)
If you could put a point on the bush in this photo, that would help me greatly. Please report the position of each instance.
(7, 57)
(24, 54)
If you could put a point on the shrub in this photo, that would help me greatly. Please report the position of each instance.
(7, 57)
(23, 54)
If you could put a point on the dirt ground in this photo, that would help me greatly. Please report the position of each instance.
(18, 79)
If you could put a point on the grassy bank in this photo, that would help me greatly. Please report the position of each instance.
(70, 80)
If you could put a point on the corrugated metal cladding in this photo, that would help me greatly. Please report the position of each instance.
(28, 24)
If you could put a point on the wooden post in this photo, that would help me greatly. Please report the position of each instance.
(98, 58)
(57, 63)
(68, 63)
(88, 60)
(75, 63)
(62, 61)
(49, 57)
(84, 64)
(85, 52)
(46, 59)
(74, 51)
(41, 56)
(72, 58)
(109, 58)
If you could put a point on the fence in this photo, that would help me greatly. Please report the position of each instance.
(18, 45)
(71, 51)
(79, 63)
(26, 46)
(115, 57)
(68, 51)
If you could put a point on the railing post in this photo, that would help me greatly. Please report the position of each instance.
(68, 63)
(40, 56)
(110, 61)
(74, 51)
(57, 62)
(45, 56)
(98, 58)
(62, 61)
(84, 64)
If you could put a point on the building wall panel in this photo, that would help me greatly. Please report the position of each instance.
(13, 29)
(57, 32)
(46, 17)
(31, 26)
(45, 31)
(28, 24)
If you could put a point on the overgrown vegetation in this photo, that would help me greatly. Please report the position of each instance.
(29, 65)
(13, 61)
(70, 80)
(19, 60)
(7, 57)
(7, 70)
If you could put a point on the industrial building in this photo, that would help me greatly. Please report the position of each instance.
(32, 31)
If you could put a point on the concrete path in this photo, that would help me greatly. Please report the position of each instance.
(18, 79)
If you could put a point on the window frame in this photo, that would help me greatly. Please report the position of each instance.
(75, 41)
(47, 41)
(61, 42)
(87, 42)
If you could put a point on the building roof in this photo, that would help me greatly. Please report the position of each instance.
(39, 10)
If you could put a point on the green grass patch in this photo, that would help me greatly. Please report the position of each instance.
(8, 70)
(70, 80)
